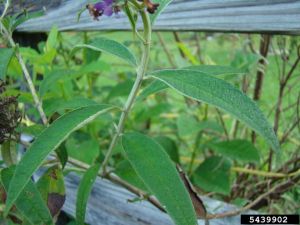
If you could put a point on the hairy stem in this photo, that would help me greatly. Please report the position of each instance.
(141, 71)
(36, 99)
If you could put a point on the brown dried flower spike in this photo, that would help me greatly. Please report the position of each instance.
(9, 115)
(151, 7)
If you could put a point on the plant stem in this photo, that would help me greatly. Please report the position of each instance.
(141, 71)
(264, 173)
(194, 154)
(165, 47)
(36, 99)
(5, 9)
(264, 49)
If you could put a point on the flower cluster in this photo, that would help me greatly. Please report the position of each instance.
(110, 7)
(9, 115)
(105, 7)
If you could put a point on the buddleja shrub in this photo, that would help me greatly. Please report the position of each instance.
(151, 158)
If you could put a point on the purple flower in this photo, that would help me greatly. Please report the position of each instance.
(105, 7)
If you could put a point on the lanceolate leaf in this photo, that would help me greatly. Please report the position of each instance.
(162, 5)
(47, 142)
(159, 174)
(213, 70)
(84, 190)
(112, 47)
(216, 70)
(221, 94)
(5, 57)
(30, 202)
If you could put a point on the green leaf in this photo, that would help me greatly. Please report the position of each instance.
(169, 146)
(152, 113)
(213, 175)
(162, 5)
(157, 86)
(30, 202)
(125, 171)
(5, 56)
(90, 56)
(217, 92)
(241, 150)
(52, 39)
(112, 47)
(210, 126)
(121, 89)
(187, 125)
(159, 174)
(60, 105)
(94, 66)
(84, 190)
(62, 155)
(83, 147)
(9, 152)
(48, 141)
(216, 70)
(33, 130)
(53, 77)
(52, 188)
(152, 88)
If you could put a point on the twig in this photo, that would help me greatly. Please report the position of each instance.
(264, 48)
(5, 9)
(247, 207)
(177, 39)
(194, 154)
(265, 174)
(283, 82)
(117, 180)
(135, 190)
(199, 50)
(169, 56)
(282, 188)
(26, 74)
(250, 44)
(223, 123)
(287, 133)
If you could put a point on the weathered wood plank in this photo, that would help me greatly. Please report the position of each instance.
(253, 16)
(109, 205)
